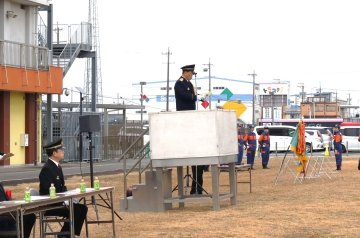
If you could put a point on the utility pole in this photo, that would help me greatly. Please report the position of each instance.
(57, 31)
(141, 85)
(336, 104)
(167, 82)
(349, 99)
(206, 69)
(302, 92)
(253, 101)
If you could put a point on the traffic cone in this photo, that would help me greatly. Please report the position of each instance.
(327, 150)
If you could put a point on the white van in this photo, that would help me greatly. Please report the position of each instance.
(283, 134)
(350, 132)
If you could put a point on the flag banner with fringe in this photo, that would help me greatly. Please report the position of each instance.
(298, 145)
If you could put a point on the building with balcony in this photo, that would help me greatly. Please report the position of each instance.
(26, 73)
(320, 107)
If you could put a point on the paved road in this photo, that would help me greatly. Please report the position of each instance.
(24, 173)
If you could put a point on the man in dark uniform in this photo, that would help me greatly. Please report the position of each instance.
(8, 223)
(264, 143)
(52, 173)
(337, 146)
(186, 96)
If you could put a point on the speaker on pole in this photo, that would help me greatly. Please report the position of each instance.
(90, 123)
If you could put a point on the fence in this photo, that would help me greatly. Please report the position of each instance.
(66, 126)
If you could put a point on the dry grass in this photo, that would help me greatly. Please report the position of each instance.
(316, 208)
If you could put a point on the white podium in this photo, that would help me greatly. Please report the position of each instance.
(188, 138)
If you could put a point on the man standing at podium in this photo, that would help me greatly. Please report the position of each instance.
(186, 96)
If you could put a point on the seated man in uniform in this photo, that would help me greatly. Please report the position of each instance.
(52, 172)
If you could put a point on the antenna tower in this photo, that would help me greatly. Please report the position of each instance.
(93, 20)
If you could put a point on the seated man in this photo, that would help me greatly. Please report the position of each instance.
(8, 223)
(52, 173)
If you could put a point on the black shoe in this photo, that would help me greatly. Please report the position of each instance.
(265, 166)
(206, 170)
(338, 167)
(63, 236)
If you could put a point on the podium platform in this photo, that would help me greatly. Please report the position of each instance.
(189, 138)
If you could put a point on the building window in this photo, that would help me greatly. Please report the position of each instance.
(140, 112)
(319, 108)
(256, 88)
(330, 108)
(218, 87)
(267, 113)
(164, 88)
(198, 88)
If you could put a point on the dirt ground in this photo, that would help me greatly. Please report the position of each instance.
(317, 207)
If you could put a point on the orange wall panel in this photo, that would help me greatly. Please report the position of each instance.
(28, 80)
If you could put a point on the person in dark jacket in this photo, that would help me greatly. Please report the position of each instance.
(52, 172)
(186, 97)
(7, 223)
(337, 146)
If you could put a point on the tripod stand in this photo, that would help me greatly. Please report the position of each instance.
(188, 177)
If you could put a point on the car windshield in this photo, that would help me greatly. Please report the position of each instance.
(310, 132)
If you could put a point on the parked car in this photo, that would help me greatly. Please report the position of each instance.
(350, 132)
(326, 133)
(317, 139)
(281, 135)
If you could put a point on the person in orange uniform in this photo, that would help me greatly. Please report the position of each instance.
(240, 145)
(264, 143)
(250, 143)
(337, 146)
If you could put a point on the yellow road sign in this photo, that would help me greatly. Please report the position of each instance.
(240, 108)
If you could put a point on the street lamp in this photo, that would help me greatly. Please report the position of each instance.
(141, 84)
(82, 91)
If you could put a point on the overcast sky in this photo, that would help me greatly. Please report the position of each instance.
(308, 41)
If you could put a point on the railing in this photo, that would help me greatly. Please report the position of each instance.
(82, 35)
(140, 155)
(42, 32)
(22, 55)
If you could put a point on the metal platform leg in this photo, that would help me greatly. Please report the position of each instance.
(233, 182)
(160, 190)
(180, 175)
(215, 187)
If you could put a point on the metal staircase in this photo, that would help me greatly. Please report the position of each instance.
(64, 55)
(69, 44)
(144, 195)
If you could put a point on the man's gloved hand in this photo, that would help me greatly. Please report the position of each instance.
(200, 97)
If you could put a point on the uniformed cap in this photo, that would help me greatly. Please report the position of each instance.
(189, 67)
(337, 125)
(239, 125)
(266, 127)
(58, 144)
(251, 126)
